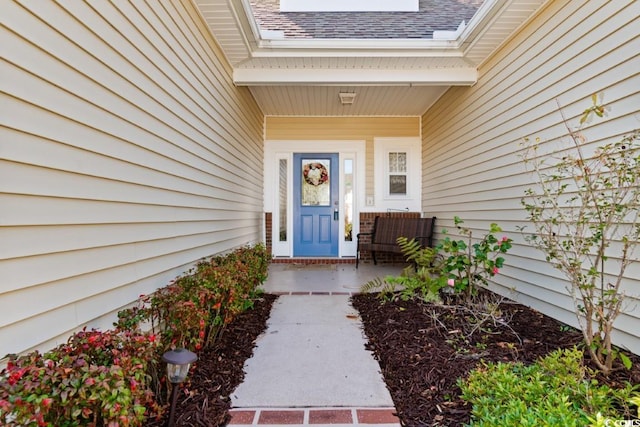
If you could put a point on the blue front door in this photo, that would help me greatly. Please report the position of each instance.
(316, 203)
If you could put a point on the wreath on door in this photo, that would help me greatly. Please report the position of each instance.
(315, 174)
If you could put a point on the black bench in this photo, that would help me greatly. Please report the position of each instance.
(386, 231)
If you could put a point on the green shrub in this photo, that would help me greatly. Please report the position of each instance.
(112, 378)
(555, 391)
(469, 262)
(460, 266)
(95, 379)
(192, 311)
(419, 280)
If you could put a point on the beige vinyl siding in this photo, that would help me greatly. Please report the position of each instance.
(472, 136)
(340, 128)
(343, 128)
(126, 154)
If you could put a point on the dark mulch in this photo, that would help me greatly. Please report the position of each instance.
(422, 352)
(420, 347)
(205, 400)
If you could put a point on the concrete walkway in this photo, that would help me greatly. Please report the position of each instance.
(311, 367)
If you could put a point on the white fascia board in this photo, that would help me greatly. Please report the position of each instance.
(449, 35)
(487, 9)
(349, 6)
(461, 76)
(357, 53)
(360, 44)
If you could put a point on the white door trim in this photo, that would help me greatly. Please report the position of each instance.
(276, 150)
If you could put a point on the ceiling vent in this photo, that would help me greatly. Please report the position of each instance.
(347, 98)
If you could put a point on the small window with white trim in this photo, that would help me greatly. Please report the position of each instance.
(397, 180)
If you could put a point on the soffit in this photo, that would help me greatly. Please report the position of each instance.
(226, 27)
(324, 100)
(274, 66)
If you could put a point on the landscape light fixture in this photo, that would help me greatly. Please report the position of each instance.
(347, 98)
(178, 363)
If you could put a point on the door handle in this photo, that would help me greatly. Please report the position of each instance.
(335, 215)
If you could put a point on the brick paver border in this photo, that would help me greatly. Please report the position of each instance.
(314, 416)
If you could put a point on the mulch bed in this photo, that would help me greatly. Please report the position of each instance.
(422, 351)
(205, 401)
(420, 347)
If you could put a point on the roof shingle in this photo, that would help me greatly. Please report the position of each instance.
(432, 15)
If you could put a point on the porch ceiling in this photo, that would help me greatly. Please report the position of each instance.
(298, 72)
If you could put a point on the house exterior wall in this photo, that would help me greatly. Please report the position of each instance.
(472, 136)
(126, 154)
(343, 128)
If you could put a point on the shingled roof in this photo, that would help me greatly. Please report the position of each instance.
(432, 15)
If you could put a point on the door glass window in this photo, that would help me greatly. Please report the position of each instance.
(315, 187)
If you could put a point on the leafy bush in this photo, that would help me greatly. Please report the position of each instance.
(458, 265)
(471, 264)
(554, 391)
(192, 311)
(96, 378)
(112, 378)
(418, 280)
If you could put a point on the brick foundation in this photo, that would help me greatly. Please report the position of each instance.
(268, 228)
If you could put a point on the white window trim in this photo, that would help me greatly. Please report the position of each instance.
(412, 201)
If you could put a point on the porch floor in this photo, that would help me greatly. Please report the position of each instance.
(310, 367)
(307, 277)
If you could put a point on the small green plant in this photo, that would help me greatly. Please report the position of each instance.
(466, 264)
(413, 285)
(385, 287)
(459, 265)
(425, 260)
(635, 400)
(600, 420)
(555, 391)
(419, 280)
(586, 219)
(409, 285)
